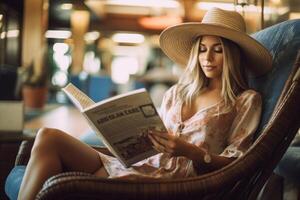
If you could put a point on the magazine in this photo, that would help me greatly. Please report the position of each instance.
(122, 122)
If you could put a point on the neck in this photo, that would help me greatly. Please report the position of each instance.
(215, 84)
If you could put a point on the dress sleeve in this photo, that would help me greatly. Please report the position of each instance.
(248, 111)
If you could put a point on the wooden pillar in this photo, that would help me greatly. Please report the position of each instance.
(80, 20)
(35, 24)
(188, 7)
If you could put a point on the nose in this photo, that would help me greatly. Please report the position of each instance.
(208, 55)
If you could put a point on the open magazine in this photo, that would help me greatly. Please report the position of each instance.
(122, 122)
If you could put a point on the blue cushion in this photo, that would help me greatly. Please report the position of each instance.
(14, 179)
(283, 41)
(13, 182)
(91, 138)
(100, 87)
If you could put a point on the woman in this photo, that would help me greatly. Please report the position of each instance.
(210, 114)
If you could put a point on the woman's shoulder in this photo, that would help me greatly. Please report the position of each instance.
(249, 96)
(249, 93)
(173, 90)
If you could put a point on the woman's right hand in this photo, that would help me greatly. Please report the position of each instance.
(168, 143)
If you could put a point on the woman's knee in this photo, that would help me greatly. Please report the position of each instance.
(46, 139)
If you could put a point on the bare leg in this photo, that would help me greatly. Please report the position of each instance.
(53, 152)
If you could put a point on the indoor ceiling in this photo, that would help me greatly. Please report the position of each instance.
(131, 15)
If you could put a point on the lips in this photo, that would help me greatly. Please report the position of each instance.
(209, 67)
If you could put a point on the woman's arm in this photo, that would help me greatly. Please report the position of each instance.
(203, 164)
(175, 146)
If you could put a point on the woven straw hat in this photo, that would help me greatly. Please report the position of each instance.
(176, 41)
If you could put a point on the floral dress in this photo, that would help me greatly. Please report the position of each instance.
(221, 131)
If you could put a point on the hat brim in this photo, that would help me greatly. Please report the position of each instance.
(176, 42)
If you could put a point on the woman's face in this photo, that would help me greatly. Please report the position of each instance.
(211, 56)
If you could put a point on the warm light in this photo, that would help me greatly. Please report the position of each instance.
(58, 34)
(279, 11)
(60, 78)
(60, 48)
(45, 6)
(122, 67)
(118, 74)
(3, 35)
(92, 36)
(62, 61)
(209, 5)
(128, 38)
(131, 63)
(159, 22)
(12, 33)
(250, 8)
(294, 15)
(80, 18)
(145, 3)
(91, 63)
(276, 2)
(1, 17)
(66, 6)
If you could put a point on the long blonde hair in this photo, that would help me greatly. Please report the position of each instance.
(193, 81)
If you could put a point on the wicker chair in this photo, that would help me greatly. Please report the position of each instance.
(242, 179)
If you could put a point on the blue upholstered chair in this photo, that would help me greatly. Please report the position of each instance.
(283, 41)
(242, 179)
(100, 87)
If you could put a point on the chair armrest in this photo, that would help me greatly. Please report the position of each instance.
(68, 187)
(64, 175)
(23, 155)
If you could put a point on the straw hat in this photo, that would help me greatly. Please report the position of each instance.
(176, 41)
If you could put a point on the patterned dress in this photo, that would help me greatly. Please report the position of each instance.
(221, 131)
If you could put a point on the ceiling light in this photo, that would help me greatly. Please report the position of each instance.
(159, 22)
(210, 5)
(58, 34)
(66, 6)
(145, 3)
(128, 38)
(12, 33)
(1, 16)
(3, 35)
(60, 48)
(91, 36)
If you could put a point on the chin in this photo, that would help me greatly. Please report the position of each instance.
(212, 76)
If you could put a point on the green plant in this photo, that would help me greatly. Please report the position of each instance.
(36, 74)
(30, 77)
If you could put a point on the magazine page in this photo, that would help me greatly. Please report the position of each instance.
(78, 98)
(123, 123)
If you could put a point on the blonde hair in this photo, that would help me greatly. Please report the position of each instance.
(193, 81)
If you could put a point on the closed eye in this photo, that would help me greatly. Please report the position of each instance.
(217, 48)
(202, 48)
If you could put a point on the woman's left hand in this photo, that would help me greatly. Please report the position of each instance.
(167, 143)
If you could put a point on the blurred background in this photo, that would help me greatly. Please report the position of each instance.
(104, 47)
